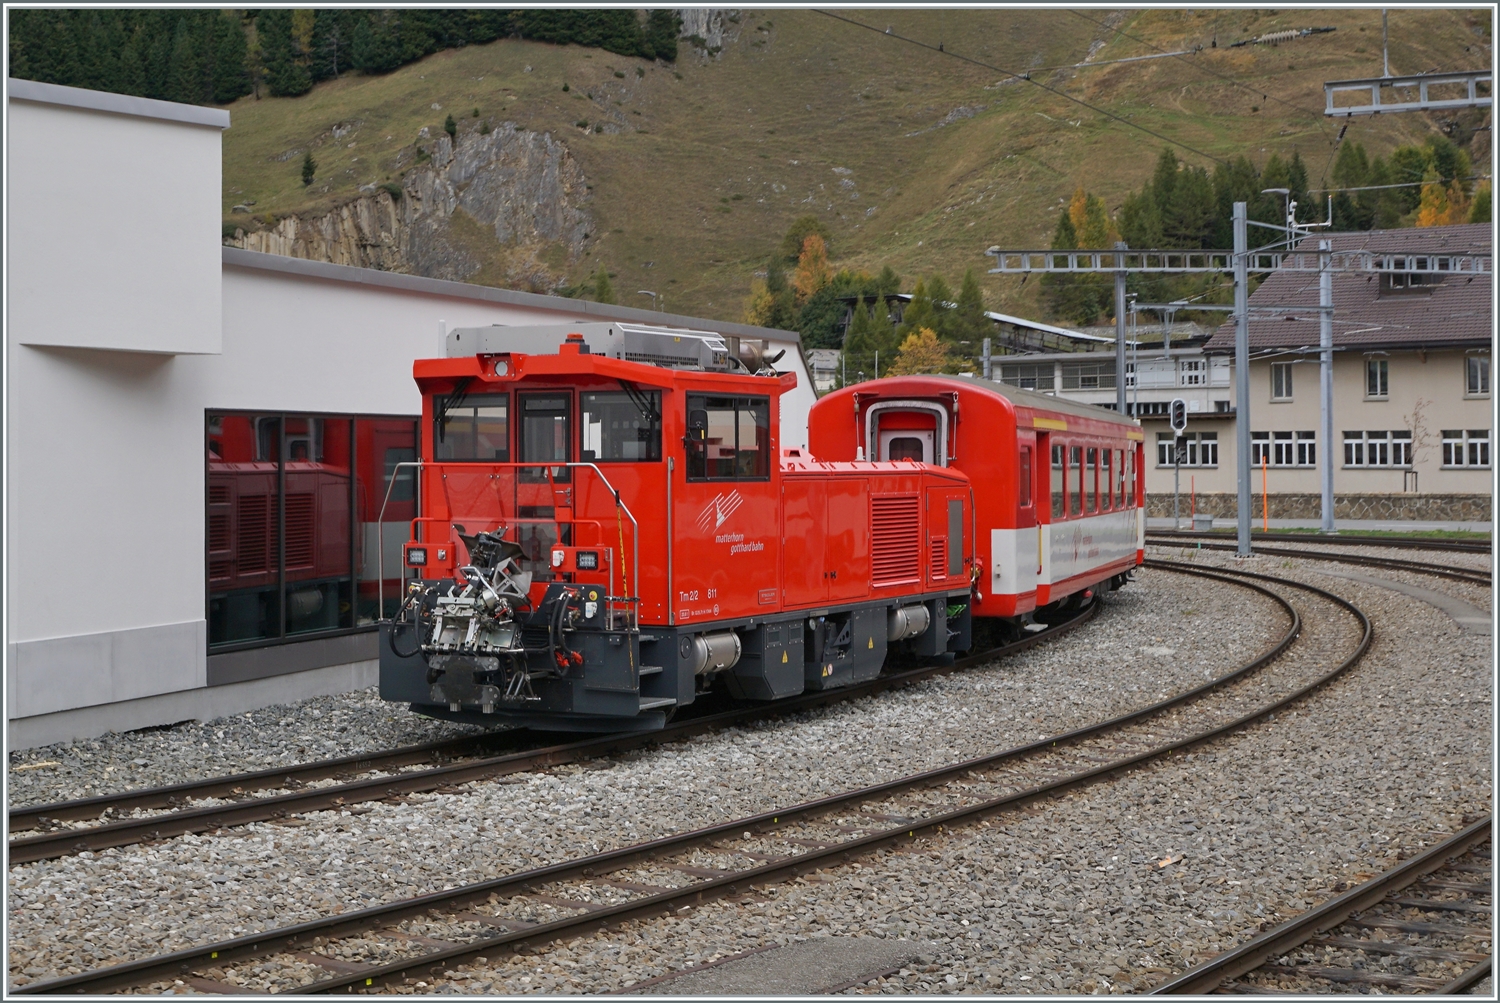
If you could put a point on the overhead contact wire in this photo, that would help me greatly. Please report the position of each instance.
(942, 50)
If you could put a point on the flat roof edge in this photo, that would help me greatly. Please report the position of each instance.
(118, 104)
(239, 257)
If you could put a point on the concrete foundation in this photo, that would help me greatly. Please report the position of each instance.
(1428, 507)
(201, 704)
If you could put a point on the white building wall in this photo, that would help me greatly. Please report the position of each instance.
(114, 356)
(82, 166)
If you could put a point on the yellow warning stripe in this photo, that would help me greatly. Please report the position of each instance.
(1136, 435)
(1052, 423)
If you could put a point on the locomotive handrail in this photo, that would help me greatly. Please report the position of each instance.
(620, 505)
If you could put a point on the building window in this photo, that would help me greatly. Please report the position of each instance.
(1282, 452)
(1401, 448)
(1088, 375)
(1307, 449)
(1027, 376)
(1377, 378)
(295, 509)
(1192, 373)
(1477, 383)
(1377, 449)
(1283, 449)
(1260, 448)
(729, 438)
(1466, 448)
(1281, 381)
(1199, 449)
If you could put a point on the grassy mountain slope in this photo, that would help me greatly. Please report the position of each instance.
(912, 157)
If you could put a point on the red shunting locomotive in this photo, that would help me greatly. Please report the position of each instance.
(608, 527)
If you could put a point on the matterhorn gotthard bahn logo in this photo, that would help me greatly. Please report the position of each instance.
(716, 513)
(718, 510)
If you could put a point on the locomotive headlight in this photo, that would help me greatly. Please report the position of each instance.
(588, 560)
(502, 367)
(416, 557)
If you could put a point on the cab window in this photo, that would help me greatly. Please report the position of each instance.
(622, 426)
(728, 438)
(471, 427)
(545, 435)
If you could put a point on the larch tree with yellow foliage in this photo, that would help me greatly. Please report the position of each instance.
(812, 268)
(1091, 221)
(1441, 204)
(921, 352)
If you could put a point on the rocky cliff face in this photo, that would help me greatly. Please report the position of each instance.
(500, 203)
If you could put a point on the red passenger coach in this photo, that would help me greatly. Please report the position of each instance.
(607, 531)
(1058, 485)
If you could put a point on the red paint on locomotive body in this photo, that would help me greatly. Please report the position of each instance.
(1058, 486)
(644, 531)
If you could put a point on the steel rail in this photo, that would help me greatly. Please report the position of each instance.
(302, 935)
(1468, 979)
(1205, 978)
(1342, 539)
(239, 784)
(814, 859)
(1472, 577)
(63, 842)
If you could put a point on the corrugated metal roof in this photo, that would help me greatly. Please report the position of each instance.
(1032, 398)
(1456, 311)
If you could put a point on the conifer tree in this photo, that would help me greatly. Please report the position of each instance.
(662, 29)
(1479, 211)
(231, 79)
(451, 128)
(918, 313)
(309, 169)
(968, 322)
(286, 74)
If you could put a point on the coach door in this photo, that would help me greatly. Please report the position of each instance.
(1028, 539)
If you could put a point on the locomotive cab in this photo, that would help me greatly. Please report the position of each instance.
(608, 529)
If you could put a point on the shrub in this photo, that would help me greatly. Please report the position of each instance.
(451, 128)
(582, 123)
(392, 189)
(619, 74)
(484, 129)
(565, 87)
(476, 112)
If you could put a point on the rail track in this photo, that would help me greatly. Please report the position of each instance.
(731, 860)
(239, 805)
(1471, 576)
(1404, 930)
(1343, 539)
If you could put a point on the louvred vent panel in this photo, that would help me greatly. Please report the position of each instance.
(939, 559)
(299, 530)
(895, 544)
(254, 534)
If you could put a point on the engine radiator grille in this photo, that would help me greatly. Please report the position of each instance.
(895, 540)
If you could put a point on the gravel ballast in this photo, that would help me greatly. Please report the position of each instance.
(1153, 638)
(1116, 887)
(398, 850)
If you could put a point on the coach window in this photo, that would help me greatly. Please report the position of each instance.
(471, 428)
(1130, 478)
(1058, 481)
(1023, 485)
(545, 437)
(1075, 469)
(1090, 477)
(729, 438)
(1106, 479)
(620, 427)
(1119, 478)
